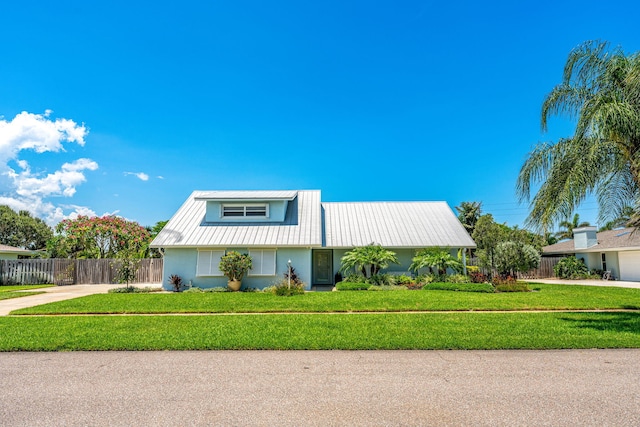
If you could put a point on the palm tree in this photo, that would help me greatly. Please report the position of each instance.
(435, 258)
(568, 226)
(600, 89)
(373, 256)
(468, 214)
(621, 221)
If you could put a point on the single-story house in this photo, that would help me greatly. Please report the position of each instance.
(617, 251)
(11, 252)
(274, 227)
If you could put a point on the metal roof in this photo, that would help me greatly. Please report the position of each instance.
(310, 223)
(620, 239)
(187, 228)
(393, 225)
(247, 195)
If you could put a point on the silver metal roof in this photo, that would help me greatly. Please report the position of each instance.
(247, 195)
(343, 225)
(393, 225)
(302, 225)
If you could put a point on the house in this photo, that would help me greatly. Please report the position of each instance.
(275, 227)
(11, 252)
(617, 251)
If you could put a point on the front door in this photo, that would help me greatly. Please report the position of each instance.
(323, 267)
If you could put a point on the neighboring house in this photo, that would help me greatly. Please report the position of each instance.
(617, 251)
(10, 252)
(277, 226)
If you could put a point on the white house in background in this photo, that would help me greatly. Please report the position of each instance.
(277, 226)
(11, 252)
(617, 251)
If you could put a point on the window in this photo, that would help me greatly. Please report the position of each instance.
(604, 261)
(263, 262)
(243, 211)
(208, 262)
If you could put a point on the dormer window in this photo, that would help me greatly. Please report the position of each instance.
(245, 211)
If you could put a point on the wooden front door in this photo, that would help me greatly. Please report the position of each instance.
(323, 267)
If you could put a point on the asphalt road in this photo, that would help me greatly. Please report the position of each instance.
(323, 388)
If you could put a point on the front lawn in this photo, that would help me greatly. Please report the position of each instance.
(8, 292)
(323, 331)
(545, 297)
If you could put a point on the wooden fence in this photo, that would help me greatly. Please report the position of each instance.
(74, 271)
(544, 270)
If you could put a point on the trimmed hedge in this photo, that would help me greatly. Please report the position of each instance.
(352, 286)
(461, 287)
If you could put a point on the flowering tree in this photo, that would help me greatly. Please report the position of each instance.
(99, 237)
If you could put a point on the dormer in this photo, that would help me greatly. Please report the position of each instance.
(584, 237)
(246, 206)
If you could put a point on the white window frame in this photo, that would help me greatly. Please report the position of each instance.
(258, 259)
(244, 207)
(211, 268)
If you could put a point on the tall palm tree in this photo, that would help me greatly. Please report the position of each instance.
(568, 226)
(468, 214)
(600, 89)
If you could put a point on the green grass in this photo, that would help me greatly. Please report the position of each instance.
(547, 297)
(13, 288)
(323, 331)
(9, 292)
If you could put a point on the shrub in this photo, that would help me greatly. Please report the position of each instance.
(133, 290)
(513, 257)
(355, 278)
(460, 287)
(176, 282)
(509, 284)
(387, 288)
(352, 286)
(513, 287)
(478, 277)
(218, 289)
(570, 268)
(414, 286)
(269, 290)
(403, 279)
(193, 290)
(383, 279)
(457, 278)
(286, 289)
(425, 278)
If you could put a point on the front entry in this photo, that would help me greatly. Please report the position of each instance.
(322, 267)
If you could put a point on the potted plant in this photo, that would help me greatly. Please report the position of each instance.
(235, 265)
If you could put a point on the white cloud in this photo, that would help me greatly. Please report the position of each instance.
(26, 190)
(140, 175)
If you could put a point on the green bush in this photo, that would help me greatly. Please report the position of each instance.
(458, 278)
(403, 279)
(460, 287)
(351, 286)
(354, 278)
(218, 289)
(387, 288)
(513, 287)
(382, 279)
(426, 278)
(133, 290)
(571, 268)
(194, 290)
(285, 291)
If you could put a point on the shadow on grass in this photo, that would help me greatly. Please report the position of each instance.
(616, 322)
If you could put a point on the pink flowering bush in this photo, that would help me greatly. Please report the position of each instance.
(100, 237)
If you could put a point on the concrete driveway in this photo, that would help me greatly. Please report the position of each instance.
(321, 388)
(58, 293)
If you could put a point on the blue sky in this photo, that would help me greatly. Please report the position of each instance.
(385, 100)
